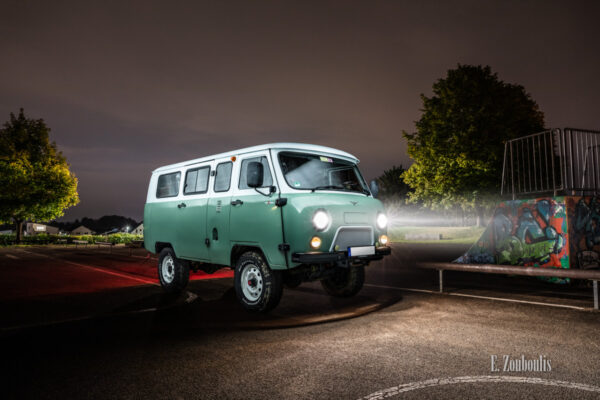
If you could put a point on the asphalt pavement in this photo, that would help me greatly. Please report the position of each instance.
(89, 324)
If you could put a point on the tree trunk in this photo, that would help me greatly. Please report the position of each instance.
(480, 220)
(19, 226)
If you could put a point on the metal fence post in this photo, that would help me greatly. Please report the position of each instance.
(595, 295)
(441, 274)
(512, 170)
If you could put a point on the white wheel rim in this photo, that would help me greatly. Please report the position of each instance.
(252, 282)
(168, 269)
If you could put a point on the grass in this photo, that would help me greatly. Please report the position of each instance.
(450, 234)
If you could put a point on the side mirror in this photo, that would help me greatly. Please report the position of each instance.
(254, 174)
(374, 188)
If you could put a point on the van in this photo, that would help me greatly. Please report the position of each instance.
(278, 214)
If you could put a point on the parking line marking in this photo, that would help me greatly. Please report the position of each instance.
(481, 297)
(407, 387)
(122, 275)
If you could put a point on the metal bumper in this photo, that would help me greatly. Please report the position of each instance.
(325, 258)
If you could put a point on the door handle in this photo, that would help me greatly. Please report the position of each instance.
(181, 205)
(237, 202)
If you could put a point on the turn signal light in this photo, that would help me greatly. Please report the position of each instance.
(315, 242)
(383, 239)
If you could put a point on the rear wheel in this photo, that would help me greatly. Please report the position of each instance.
(346, 282)
(172, 273)
(258, 288)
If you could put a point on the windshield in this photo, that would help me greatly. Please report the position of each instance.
(316, 172)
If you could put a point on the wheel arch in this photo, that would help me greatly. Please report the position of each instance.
(238, 249)
(159, 246)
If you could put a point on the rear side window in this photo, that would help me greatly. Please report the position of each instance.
(168, 185)
(267, 180)
(196, 180)
(223, 177)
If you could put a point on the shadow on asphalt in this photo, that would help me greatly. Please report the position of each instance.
(206, 306)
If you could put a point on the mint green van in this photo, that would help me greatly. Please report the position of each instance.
(278, 214)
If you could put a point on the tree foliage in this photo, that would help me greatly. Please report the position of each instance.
(391, 185)
(459, 141)
(36, 182)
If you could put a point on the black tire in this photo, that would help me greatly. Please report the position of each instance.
(172, 273)
(346, 282)
(261, 288)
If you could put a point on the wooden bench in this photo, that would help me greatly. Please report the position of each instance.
(78, 242)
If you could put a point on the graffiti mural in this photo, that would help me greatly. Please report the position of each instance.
(524, 232)
(584, 217)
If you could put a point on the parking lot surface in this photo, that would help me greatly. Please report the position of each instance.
(87, 323)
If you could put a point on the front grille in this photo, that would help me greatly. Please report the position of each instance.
(348, 236)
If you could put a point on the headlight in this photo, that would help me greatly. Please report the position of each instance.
(321, 220)
(382, 221)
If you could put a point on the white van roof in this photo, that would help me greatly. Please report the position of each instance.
(278, 146)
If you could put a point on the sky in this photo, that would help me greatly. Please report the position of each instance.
(129, 86)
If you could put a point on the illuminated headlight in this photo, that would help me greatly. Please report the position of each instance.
(383, 239)
(315, 242)
(321, 220)
(382, 221)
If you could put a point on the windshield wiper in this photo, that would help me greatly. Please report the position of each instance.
(327, 187)
(337, 187)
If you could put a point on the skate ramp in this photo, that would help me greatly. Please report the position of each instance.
(548, 232)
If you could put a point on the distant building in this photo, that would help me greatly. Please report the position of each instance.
(82, 230)
(139, 230)
(32, 228)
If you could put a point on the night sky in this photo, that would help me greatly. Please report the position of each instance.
(128, 88)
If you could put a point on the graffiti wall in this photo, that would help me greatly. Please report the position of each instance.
(584, 231)
(524, 232)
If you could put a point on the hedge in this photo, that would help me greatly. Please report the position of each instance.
(43, 238)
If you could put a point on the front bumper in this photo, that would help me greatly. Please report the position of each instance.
(317, 257)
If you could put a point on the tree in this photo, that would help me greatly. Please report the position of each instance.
(391, 184)
(35, 180)
(459, 144)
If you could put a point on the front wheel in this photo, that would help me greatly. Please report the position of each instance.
(346, 282)
(258, 288)
(172, 273)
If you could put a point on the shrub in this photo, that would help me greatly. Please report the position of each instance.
(43, 238)
(6, 240)
(118, 238)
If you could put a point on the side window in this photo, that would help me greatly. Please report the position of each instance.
(267, 180)
(196, 180)
(223, 177)
(168, 185)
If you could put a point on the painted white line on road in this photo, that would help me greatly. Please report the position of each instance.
(11, 256)
(407, 387)
(481, 297)
(104, 270)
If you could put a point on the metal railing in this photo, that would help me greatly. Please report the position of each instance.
(591, 275)
(558, 161)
